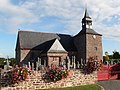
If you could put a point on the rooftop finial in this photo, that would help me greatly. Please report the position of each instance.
(86, 13)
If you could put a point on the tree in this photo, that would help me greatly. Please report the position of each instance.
(116, 55)
(3, 62)
(12, 61)
(106, 56)
(106, 53)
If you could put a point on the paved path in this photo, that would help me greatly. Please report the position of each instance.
(110, 84)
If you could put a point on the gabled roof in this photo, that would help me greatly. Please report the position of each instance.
(57, 47)
(43, 41)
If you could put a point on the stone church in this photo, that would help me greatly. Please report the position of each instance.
(54, 48)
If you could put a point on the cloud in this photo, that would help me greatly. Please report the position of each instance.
(72, 11)
(12, 16)
(105, 14)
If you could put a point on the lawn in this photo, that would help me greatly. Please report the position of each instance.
(85, 87)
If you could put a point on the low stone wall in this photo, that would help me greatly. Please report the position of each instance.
(35, 82)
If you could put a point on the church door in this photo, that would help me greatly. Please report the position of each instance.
(55, 60)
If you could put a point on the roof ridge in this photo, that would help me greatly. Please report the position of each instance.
(35, 32)
(42, 32)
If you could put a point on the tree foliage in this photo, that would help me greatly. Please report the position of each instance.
(116, 55)
(106, 56)
(3, 62)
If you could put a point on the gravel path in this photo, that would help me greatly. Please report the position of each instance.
(110, 84)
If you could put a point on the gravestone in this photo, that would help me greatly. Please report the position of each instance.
(68, 63)
(37, 66)
(44, 63)
(5, 67)
(74, 65)
(32, 66)
(78, 64)
(29, 65)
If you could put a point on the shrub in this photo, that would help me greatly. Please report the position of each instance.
(19, 74)
(55, 73)
(93, 65)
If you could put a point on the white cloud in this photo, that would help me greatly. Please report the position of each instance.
(12, 16)
(70, 13)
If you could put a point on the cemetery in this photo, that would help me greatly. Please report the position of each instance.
(30, 78)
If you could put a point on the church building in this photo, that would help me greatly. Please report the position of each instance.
(54, 48)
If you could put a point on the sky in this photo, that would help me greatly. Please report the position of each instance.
(58, 16)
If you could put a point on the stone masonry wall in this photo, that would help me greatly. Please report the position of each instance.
(93, 46)
(35, 82)
(55, 58)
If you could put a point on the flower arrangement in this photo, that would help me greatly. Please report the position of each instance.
(20, 74)
(55, 73)
(93, 65)
(90, 67)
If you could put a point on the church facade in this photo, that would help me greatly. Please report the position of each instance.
(54, 48)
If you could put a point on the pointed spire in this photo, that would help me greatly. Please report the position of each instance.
(86, 13)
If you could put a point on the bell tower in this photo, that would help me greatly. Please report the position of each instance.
(88, 42)
(86, 21)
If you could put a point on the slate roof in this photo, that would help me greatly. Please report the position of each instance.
(88, 31)
(43, 41)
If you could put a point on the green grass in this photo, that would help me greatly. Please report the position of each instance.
(85, 87)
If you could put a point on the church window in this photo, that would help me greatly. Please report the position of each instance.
(96, 48)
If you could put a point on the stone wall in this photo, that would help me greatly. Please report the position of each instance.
(35, 82)
(88, 46)
(93, 46)
(56, 58)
